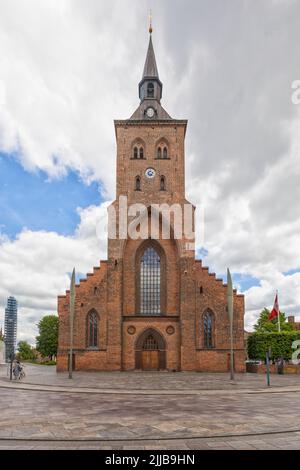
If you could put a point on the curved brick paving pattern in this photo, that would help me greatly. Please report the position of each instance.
(132, 417)
(46, 375)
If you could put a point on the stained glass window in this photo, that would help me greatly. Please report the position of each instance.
(150, 282)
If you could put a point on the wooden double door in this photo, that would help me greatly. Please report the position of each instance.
(150, 360)
(150, 353)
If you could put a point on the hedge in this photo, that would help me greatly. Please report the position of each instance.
(280, 344)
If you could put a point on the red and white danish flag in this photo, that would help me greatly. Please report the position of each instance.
(275, 311)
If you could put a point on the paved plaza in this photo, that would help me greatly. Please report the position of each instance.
(145, 410)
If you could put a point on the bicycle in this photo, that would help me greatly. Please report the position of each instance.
(19, 372)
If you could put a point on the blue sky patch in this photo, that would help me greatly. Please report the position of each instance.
(291, 272)
(244, 281)
(33, 201)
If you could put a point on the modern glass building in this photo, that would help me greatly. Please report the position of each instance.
(10, 327)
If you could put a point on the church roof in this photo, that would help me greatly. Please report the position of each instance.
(140, 111)
(150, 68)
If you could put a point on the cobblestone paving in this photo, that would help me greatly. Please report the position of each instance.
(46, 375)
(274, 442)
(195, 419)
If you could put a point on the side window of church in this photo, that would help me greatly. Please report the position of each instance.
(92, 329)
(208, 329)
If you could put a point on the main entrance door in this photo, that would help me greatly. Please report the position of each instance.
(150, 351)
(150, 360)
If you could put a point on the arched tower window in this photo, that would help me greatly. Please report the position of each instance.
(208, 329)
(159, 152)
(150, 274)
(138, 152)
(92, 329)
(165, 152)
(150, 90)
(162, 183)
(137, 183)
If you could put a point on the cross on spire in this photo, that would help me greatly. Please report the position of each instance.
(150, 22)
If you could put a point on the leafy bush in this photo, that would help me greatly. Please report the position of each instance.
(280, 344)
(25, 351)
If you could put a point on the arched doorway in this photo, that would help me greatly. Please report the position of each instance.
(150, 351)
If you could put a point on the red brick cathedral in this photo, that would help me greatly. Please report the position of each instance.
(150, 305)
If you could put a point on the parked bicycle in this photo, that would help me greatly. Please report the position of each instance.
(18, 371)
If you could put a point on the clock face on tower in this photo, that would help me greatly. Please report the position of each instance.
(150, 112)
(150, 173)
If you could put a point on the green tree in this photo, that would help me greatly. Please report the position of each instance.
(25, 351)
(264, 325)
(47, 340)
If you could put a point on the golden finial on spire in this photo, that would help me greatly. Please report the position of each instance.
(150, 22)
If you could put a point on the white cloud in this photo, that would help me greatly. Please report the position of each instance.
(36, 267)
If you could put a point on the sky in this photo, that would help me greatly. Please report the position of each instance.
(68, 68)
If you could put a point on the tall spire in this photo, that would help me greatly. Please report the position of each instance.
(150, 68)
(150, 87)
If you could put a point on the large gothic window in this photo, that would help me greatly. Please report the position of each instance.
(208, 329)
(150, 273)
(92, 329)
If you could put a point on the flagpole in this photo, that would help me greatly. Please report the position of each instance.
(278, 312)
(230, 314)
(72, 311)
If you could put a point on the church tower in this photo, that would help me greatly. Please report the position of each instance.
(150, 171)
(150, 305)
